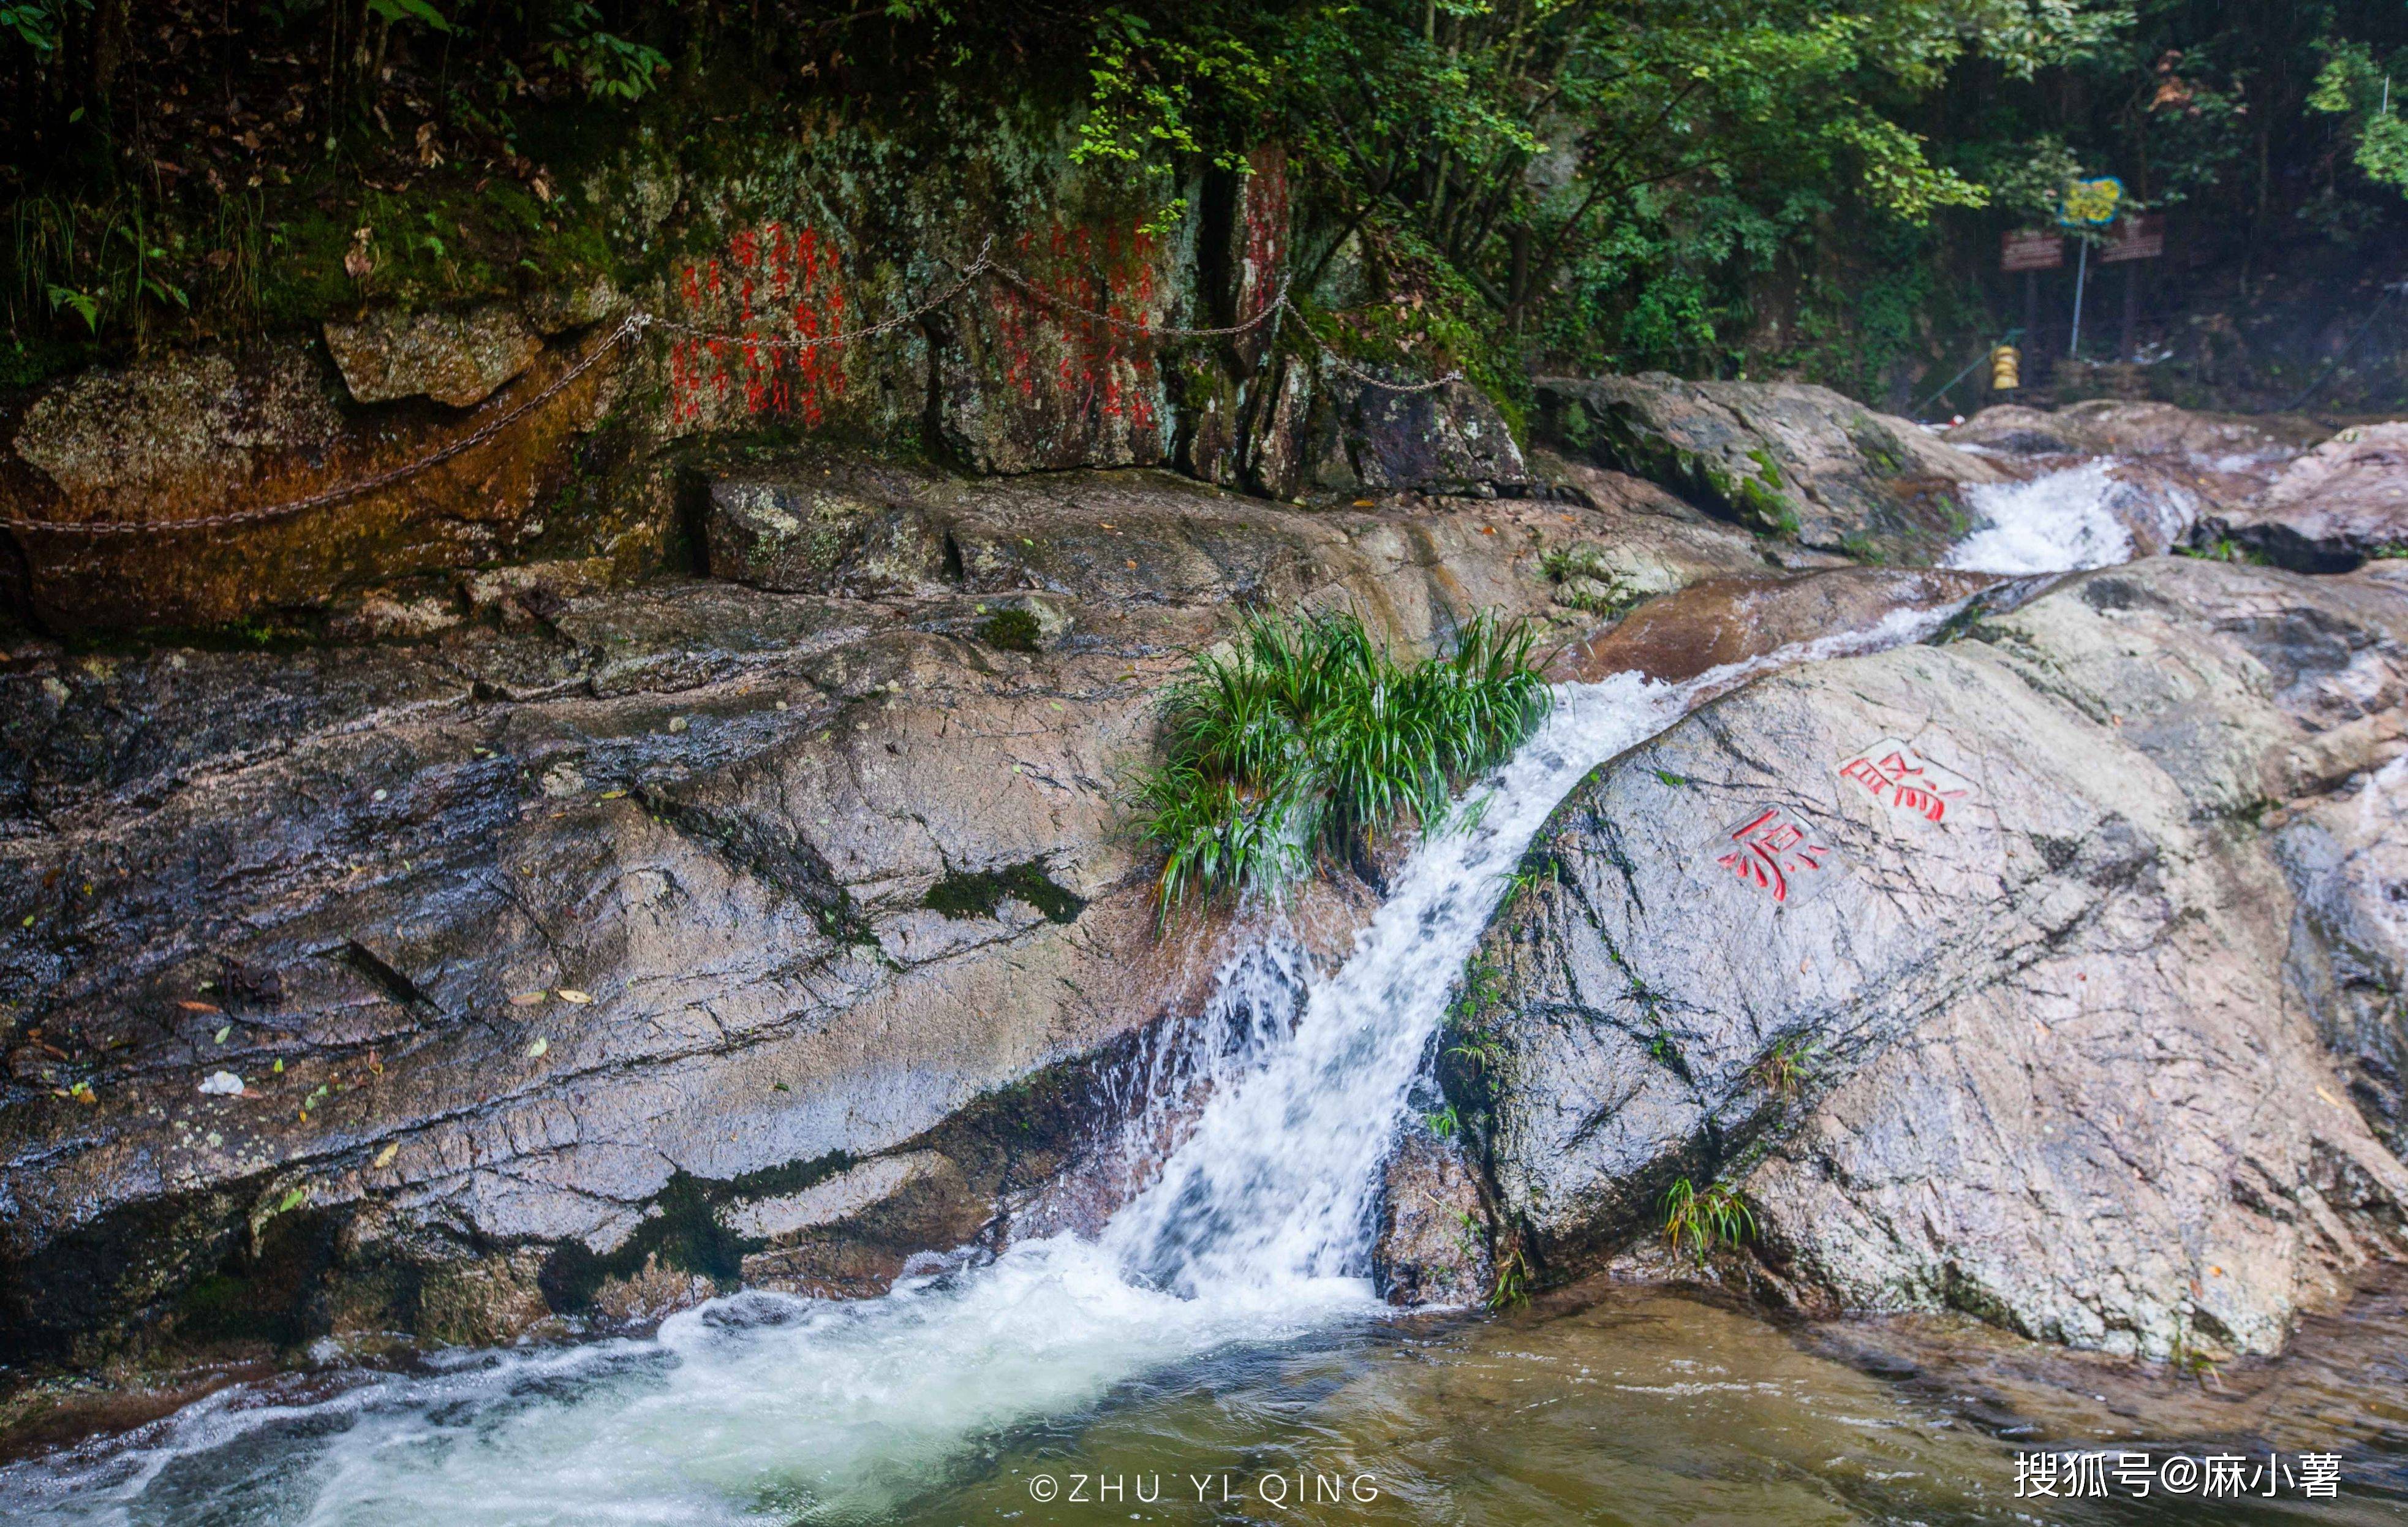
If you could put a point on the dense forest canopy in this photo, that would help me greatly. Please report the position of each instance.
(1814, 186)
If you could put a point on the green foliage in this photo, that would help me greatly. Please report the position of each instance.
(1697, 1220)
(1308, 737)
(609, 66)
(1443, 1124)
(35, 24)
(2353, 85)
(1781, 1070)
(1011, 630)
(1512, 1289)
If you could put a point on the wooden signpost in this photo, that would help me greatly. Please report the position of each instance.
(2032, 251)
(2133, 239)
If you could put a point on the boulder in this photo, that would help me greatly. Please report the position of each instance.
(1449, 439)
(1964, 965)
(178, 428)
(2331, 509)
(2119, 427)
(570, 964)
(1432, 1247)
(455, 358)
(262, 436)
(1782, 458)
(2347, 861)
(1735, 618)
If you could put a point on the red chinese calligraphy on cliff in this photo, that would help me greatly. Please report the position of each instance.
(1055, 356)
(1772, 847)
(1904, 780)
(772, 286)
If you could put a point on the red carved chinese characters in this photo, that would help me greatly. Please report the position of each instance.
(1771, 848)
(1086, 367)
(1895, 776)
(774, 286)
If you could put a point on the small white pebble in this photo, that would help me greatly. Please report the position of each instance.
(376, 794)
(223, 1084)
(676, 723)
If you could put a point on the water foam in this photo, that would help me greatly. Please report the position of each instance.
(762, 1407)
(2064, 520)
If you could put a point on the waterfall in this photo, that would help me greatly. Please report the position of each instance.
(762, 1407)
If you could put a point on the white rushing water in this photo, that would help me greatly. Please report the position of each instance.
(2063, 521)
(761, 1408)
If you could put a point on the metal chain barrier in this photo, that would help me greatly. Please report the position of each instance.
(634, 324)
(639, 321)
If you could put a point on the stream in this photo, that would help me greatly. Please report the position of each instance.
(1219, 1339)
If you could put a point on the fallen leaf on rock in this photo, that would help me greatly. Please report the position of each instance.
(223, 1033)
(570, 994)
(199, 1007)
(537, 1048)
(384, 1157)
(528, 999)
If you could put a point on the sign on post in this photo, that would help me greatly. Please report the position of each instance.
(2086, 204)
(2135, 238)
(2031, 249)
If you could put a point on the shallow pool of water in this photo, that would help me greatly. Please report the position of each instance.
(1643, 1407)
(1610, 1404)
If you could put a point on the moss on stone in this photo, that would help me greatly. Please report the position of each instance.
(966, 894)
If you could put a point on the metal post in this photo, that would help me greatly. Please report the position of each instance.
(2081, 274)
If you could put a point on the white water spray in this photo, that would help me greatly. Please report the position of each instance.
(2064, 520)
(765, 1408)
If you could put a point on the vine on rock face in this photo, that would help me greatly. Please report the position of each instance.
(1310, 737)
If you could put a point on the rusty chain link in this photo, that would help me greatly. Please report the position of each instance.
(634, 324)
(639, 321)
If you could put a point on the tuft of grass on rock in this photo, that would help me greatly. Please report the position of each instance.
(1310, 736)
(1697, 1219)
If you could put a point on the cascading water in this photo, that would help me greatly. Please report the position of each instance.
(767, 1409)
(2065, 520)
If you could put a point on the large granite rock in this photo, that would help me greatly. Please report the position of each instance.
(2331, 509)
(538, 970)
(1967, 965)
(186, 436)
(1782, 458)
(456, 358)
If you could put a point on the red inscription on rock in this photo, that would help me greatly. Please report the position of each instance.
(1903, 779)
(1772, 847)
(773, 285)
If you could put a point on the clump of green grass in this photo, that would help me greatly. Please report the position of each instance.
(1310, 736)
(1698, 1219)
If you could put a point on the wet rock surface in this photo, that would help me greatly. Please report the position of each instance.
(1737, 618)
(565, 957)
(455, 358)
(2331, 509)
(1783, 459)
(1966, 964)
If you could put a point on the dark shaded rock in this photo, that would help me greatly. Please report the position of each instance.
(455, 358)
(2008, 1034)
(1433, 1242)
(2331, 509)
(1449, 439)
(2346, 858)
(1781, 458)
(202, 434)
